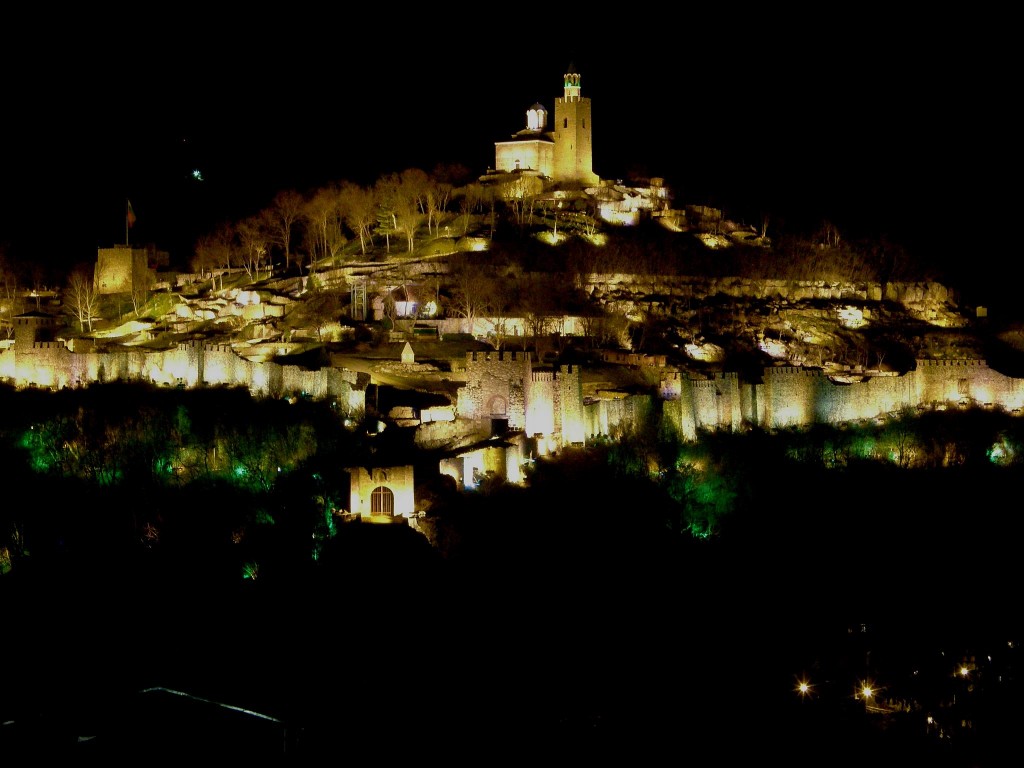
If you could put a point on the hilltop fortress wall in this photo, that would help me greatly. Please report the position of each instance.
(192, 364)
(617, 417)
(497, 387)
(547, 403)
(505, 386)
(790, 396)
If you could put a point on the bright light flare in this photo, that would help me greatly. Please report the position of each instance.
(866, 689)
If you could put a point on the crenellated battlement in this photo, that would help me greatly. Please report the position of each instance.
(792, 370)
(703, 384)
(218, 348)
(509, 356)
(967, 363)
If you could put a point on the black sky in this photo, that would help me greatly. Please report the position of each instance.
(893, 126)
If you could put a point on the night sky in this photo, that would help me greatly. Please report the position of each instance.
(877, 125)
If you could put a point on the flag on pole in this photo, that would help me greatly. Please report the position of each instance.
(130, 215)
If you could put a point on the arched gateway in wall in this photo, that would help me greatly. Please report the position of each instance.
(382, 501)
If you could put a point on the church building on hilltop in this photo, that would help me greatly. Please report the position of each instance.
(556, 167)
(562, 155)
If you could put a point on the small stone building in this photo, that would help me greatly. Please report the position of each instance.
(382, 492)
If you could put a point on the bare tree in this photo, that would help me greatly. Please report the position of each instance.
(409, 203)
(254, 242)
(80, 297)
(386, 194)
(324, 230)
(215, 250)
(470, 290)
(519, 194)
(359, 210)
(500, 299)
(828, 235)
(471, 198)
(8, 294)
(141, 286)
(37, 274)
(285, 210)
(438, 195)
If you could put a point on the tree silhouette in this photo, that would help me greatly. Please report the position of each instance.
(80, 297)
(284, 212)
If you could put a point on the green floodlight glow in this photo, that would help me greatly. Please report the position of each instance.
(1000, 453)
(863, 447)
(39, 463)
(700, 531)
(240, 471)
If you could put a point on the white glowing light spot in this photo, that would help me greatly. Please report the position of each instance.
(851, 317)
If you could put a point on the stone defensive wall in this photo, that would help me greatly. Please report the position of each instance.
(503, 460)
(504, 385)
(616, 417)
(972, 381)
(497, 386)
(193, 364)
(555, 405)
(791, 396)
(540, 402)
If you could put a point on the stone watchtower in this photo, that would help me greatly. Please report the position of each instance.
(31, 328)
(574, 149)
(122, 269)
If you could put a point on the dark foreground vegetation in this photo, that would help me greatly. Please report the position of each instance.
(639, 598)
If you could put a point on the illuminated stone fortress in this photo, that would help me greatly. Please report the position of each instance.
(562, 155)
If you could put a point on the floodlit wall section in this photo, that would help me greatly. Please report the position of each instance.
(193, 364)
(525, 155)
(398, 480)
